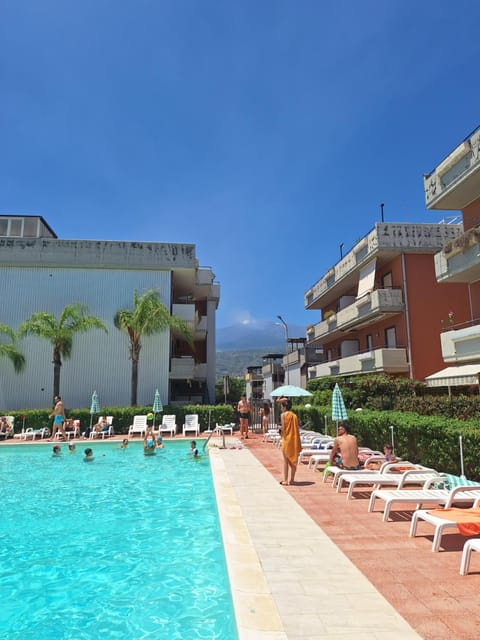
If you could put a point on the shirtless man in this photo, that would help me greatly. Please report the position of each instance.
(58, 415)
(243, 409)
(345, 449)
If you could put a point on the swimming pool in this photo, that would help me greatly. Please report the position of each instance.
(127, 546)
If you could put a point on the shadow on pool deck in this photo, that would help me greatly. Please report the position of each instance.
(424, 587)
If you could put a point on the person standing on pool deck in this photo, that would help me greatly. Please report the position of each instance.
(58, 415)
(291, 444)
(243, 409)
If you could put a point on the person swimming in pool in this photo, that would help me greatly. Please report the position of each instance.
(88, 457)
(56, 451)
(124, 444)
(193, 449)
(71, 447)
(149, 443)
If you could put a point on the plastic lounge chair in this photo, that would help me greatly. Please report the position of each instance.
(468, 547)
(191, 424)
(139, 426)
(440, 523)
(316, 447)
(410, 474)
(168, 425)
(336, 472)
(447, 497)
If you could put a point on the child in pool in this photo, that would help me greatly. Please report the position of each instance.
(71, 447)
(124, 444)
(149, 443)
(88, 455)
(56, 451)
(193, 449)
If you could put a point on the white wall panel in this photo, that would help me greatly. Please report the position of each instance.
(99, 361)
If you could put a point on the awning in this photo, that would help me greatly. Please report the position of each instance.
(366, 281)
(463, 375)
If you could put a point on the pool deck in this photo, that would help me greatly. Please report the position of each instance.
(305, 563)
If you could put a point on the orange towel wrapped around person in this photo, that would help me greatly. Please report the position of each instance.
(291, 444)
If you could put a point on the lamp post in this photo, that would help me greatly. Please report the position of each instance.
(286, 343)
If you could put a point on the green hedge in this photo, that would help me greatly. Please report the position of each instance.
(123, 416)
(429, 440)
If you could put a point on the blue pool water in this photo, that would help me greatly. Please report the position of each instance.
(127, 546)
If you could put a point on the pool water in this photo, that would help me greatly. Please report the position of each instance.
(126, 546)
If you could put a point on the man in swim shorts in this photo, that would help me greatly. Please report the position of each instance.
(58, 415)
(243, 408)
(344, 453)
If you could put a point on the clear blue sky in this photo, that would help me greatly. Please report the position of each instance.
(267, 132)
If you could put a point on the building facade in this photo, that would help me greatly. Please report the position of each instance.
(381, 307)
(40, 272)
(455, 185)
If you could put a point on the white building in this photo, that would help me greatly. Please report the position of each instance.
(40, 272)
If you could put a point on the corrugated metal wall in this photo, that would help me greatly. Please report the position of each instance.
(99, 361)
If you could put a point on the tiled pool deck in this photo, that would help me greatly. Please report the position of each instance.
(305, 563)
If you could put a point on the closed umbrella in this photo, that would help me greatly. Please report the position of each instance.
(94, 407)
(157, 405)
(339, 411)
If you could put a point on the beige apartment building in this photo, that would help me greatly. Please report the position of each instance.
(41, 272)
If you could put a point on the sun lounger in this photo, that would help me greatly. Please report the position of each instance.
(438, 518)
(446, 497)
(468, 547)
(337, 472)
(139, 426)
(394, 474)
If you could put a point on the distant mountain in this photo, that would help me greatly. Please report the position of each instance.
(243, 345)
(256, 335)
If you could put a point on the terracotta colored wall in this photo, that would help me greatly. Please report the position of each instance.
(429, 303)
(471, 215)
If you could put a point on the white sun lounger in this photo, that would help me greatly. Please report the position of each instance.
(437, 521)
(337, 472)
(468, 547)
(464, 495)
(416, 474)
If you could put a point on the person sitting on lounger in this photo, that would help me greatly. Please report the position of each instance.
(4, 426)
(102, 425)
(344, 453)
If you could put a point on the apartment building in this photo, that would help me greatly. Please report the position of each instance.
(40, 272)
(455, 185)
(381, 307)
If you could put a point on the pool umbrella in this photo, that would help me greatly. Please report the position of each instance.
(339, 411)
(94, 407)
(290, 391)
(157, 405)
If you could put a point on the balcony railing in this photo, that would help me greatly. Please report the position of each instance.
(182, 368)
(453, 184)
(459, 260)
(386, 237)
(384, 360)
(366, 309)
(461, 344)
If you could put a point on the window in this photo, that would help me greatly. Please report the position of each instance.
(390, 338)
(16, 227)
(369, 342)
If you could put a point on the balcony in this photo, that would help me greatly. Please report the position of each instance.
(200, 371)
(182, 368)
(369, 309)
(200, 328)
(385, 360)
(454, 183)
(462, 344)
(459, 260)
(382, 244)
(185, 312)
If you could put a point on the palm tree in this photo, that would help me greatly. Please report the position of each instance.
(148, 316)
(9, 349)
(60, 332)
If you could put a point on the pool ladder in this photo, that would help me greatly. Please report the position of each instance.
(211, 434)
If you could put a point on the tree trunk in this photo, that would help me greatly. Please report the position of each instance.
(134, 383)
(57, 363)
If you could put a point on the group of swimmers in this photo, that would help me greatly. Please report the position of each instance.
(150, 444)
